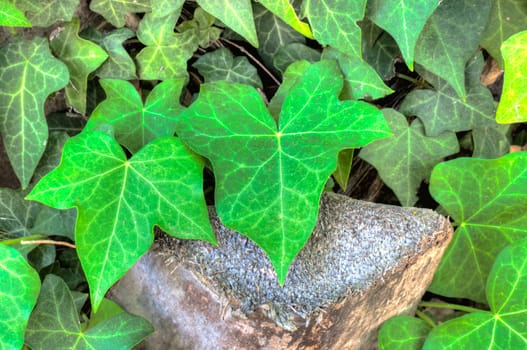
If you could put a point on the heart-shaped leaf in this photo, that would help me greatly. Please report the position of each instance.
(503, 327)
(136, 123)
(28, 74)
(488, 201)
(119, 201)
(114, 11)
(286, 12)
(403, 333)
(11, 16)
(18, 295)
(269, 178)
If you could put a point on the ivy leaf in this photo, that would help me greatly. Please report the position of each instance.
(114, 11)
(286, 12)
(334, 23)
(43, 13)
(160, 8)
(18, 295)
(403, 333)
(166, 53)
(408, 157)
(445, 52)
(220, 64)
(135, 123)
(236, 14)
(11, 16)
(507, 17)
(360, 79)
(443, 110)
(504, 326)
(82, 57)
(119, 201)
(28, 74)
(293, 52)
(269, 179)
(56, 313)
(379, 49)
(513, 104)
(404, 20)
(202, 25)
(487, 200)
(491, 142)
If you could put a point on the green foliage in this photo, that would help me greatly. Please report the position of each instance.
(403, 333)
(43, 13)
(11, 16)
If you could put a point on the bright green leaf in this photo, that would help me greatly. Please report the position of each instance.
(443, 110)
(513, 104)
(202, 25)
(236, 14)
(507, 17)
(160, 8)
(294, 52)
(487, 200)
(108, 309)
(28, 74)
(404, 20)
(491, 142)
(136, 123)
(379, 49)
(56, 314)
(408, 157)
(114, 11)
(403, 333)
(43, 13)
(450, 38)
(360, 79)
(119, 201)
(82, 57)
(504, 326)
(220, 64)
(166, 53)
(334, 23)
(286, 12)
(18, 295)
(269, 179)
(11, 16)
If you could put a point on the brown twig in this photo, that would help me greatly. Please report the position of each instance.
(49, 241)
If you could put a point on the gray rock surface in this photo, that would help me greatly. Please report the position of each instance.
(364, 263)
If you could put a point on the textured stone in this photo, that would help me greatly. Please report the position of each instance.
(364, 263)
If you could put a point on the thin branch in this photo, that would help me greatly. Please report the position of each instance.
(49, 241)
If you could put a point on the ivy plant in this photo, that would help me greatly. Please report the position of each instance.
(110, 113)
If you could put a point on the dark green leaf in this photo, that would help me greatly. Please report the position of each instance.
(293, 52)
(379, 49)
(202, 25)
(114, 11)
(403, 333)
(43, 13)
(491, 142)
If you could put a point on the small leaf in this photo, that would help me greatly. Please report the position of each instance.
(135, 123)
(56, 313)
(403, 333)
(379, 49)
(11, 16)
(269, 179)
(119, 201)
(221, 65)
(236, 14)
(294, 52)
(334, 23)
(18, 295)
(487, 200)
(450, 38)
(404, 20)
(160, 8)
(202, 25)
(513, 104)
(114, 11)
(43, 13)
(28, 74)
(82, 57)
(342, 173)
(504, 326)
(286, 12)
(491, 142)
(408, 157)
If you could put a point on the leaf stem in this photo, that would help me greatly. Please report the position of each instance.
(18, 240)
(408, 78)
(425, 318)
(442, 305)
(49, 241)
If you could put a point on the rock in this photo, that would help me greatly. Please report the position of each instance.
(364, 263)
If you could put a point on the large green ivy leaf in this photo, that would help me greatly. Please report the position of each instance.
(136, 123)
(119, 201)
(236, 14)
(407, 158)
(82, 57)
(443, 110)
(404, 20)
(18, 295)
(488, 201)
(43, 13)
(334, 23)
(220, 64)
(56, 314)
(507, 17)
(513, 104)
(166, 53)
(449, 39)
(403, 333)
(11, 16)
(286, 12)
(28, 74)
(269, 178)
(114, 11)
(503, 327)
